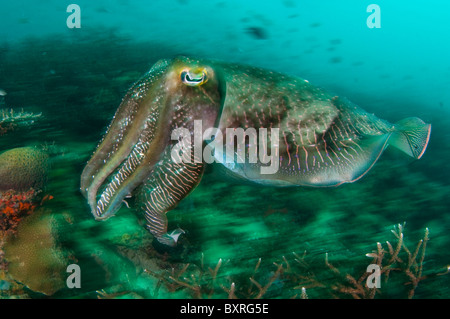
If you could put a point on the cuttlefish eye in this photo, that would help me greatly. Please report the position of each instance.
(194, 77)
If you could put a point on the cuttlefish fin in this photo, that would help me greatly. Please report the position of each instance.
(411, 136)
(168, 184)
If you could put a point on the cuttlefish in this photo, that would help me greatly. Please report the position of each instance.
(315, 138)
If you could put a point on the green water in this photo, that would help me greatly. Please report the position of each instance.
(241, 240)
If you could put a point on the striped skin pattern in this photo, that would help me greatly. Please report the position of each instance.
(324, 140)
(168, 184)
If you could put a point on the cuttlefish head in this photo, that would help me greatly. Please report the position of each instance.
(172, 94)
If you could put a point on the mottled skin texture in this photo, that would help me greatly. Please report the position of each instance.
(324, 140)
(23, 168)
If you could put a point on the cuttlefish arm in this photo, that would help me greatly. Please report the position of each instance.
(168, 184)
(125, 151)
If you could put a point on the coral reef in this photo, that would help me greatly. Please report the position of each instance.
(16, 205)
(14, 208)
(23, 168)
(23, 174)
(34, 256)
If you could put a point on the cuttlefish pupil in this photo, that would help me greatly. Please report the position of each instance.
(324, 140)
(192, 78)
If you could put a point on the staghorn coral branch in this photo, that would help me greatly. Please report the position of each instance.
(263, 290)
(399, 236)
(216, 270)
(425, 240)
(304, 295)
(445, 272)
(257, 266)
(230, 291)
(332, 268)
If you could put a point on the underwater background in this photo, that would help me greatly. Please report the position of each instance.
(60, 87)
